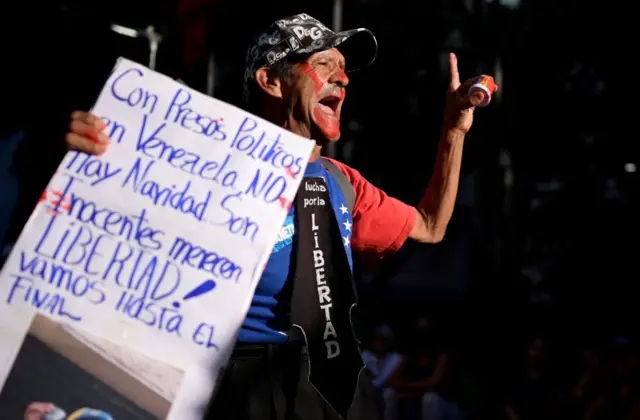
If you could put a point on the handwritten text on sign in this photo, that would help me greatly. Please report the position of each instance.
(165, 236)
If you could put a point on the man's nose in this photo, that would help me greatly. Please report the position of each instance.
(339, 77)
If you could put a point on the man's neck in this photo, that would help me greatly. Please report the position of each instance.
(296, 127)
(303, 131)
(316, 153)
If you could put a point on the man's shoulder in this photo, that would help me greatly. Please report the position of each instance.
(347, 170)
(347, 179)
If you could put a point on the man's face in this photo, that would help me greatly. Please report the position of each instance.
(315, 94)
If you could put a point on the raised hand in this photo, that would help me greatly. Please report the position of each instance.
(459, 107)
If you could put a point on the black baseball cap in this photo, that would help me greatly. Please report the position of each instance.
(302, 35)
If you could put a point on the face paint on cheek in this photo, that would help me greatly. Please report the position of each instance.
(328, 124)
(311, 73)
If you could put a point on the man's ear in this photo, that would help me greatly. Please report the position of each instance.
(270, 85)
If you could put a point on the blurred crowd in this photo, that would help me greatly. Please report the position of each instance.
(422, 376)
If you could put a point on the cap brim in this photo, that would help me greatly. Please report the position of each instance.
(359, 47)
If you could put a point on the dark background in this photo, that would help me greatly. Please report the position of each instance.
(545, 232)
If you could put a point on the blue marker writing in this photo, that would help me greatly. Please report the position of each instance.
(93, 169)
(269, 188)
(151, 144)
(252, 140)
(177, 197)
(124, 88)
(150, 313)
(203, 336)
(179, 113)
(242, 226)
(45, 301)
(186, 253)
(201, 289)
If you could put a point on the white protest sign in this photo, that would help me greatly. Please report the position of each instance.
(157, 245)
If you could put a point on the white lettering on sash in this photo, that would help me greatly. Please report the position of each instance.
(324, 295)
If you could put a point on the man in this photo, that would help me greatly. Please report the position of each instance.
(296, 356)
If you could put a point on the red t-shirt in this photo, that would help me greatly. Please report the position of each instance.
(381, 224)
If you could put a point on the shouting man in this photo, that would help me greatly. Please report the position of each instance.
(296, 356)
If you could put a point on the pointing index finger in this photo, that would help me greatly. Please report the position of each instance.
(454, 76)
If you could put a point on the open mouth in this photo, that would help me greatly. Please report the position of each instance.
(330, 104)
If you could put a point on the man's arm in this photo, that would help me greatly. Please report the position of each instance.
(436, 207)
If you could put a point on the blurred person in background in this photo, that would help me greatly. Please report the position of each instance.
(530, 393)
(608, 384)
(626, 376)
(424, 376)
(383, 363)
(296, 77)
(593, 390)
